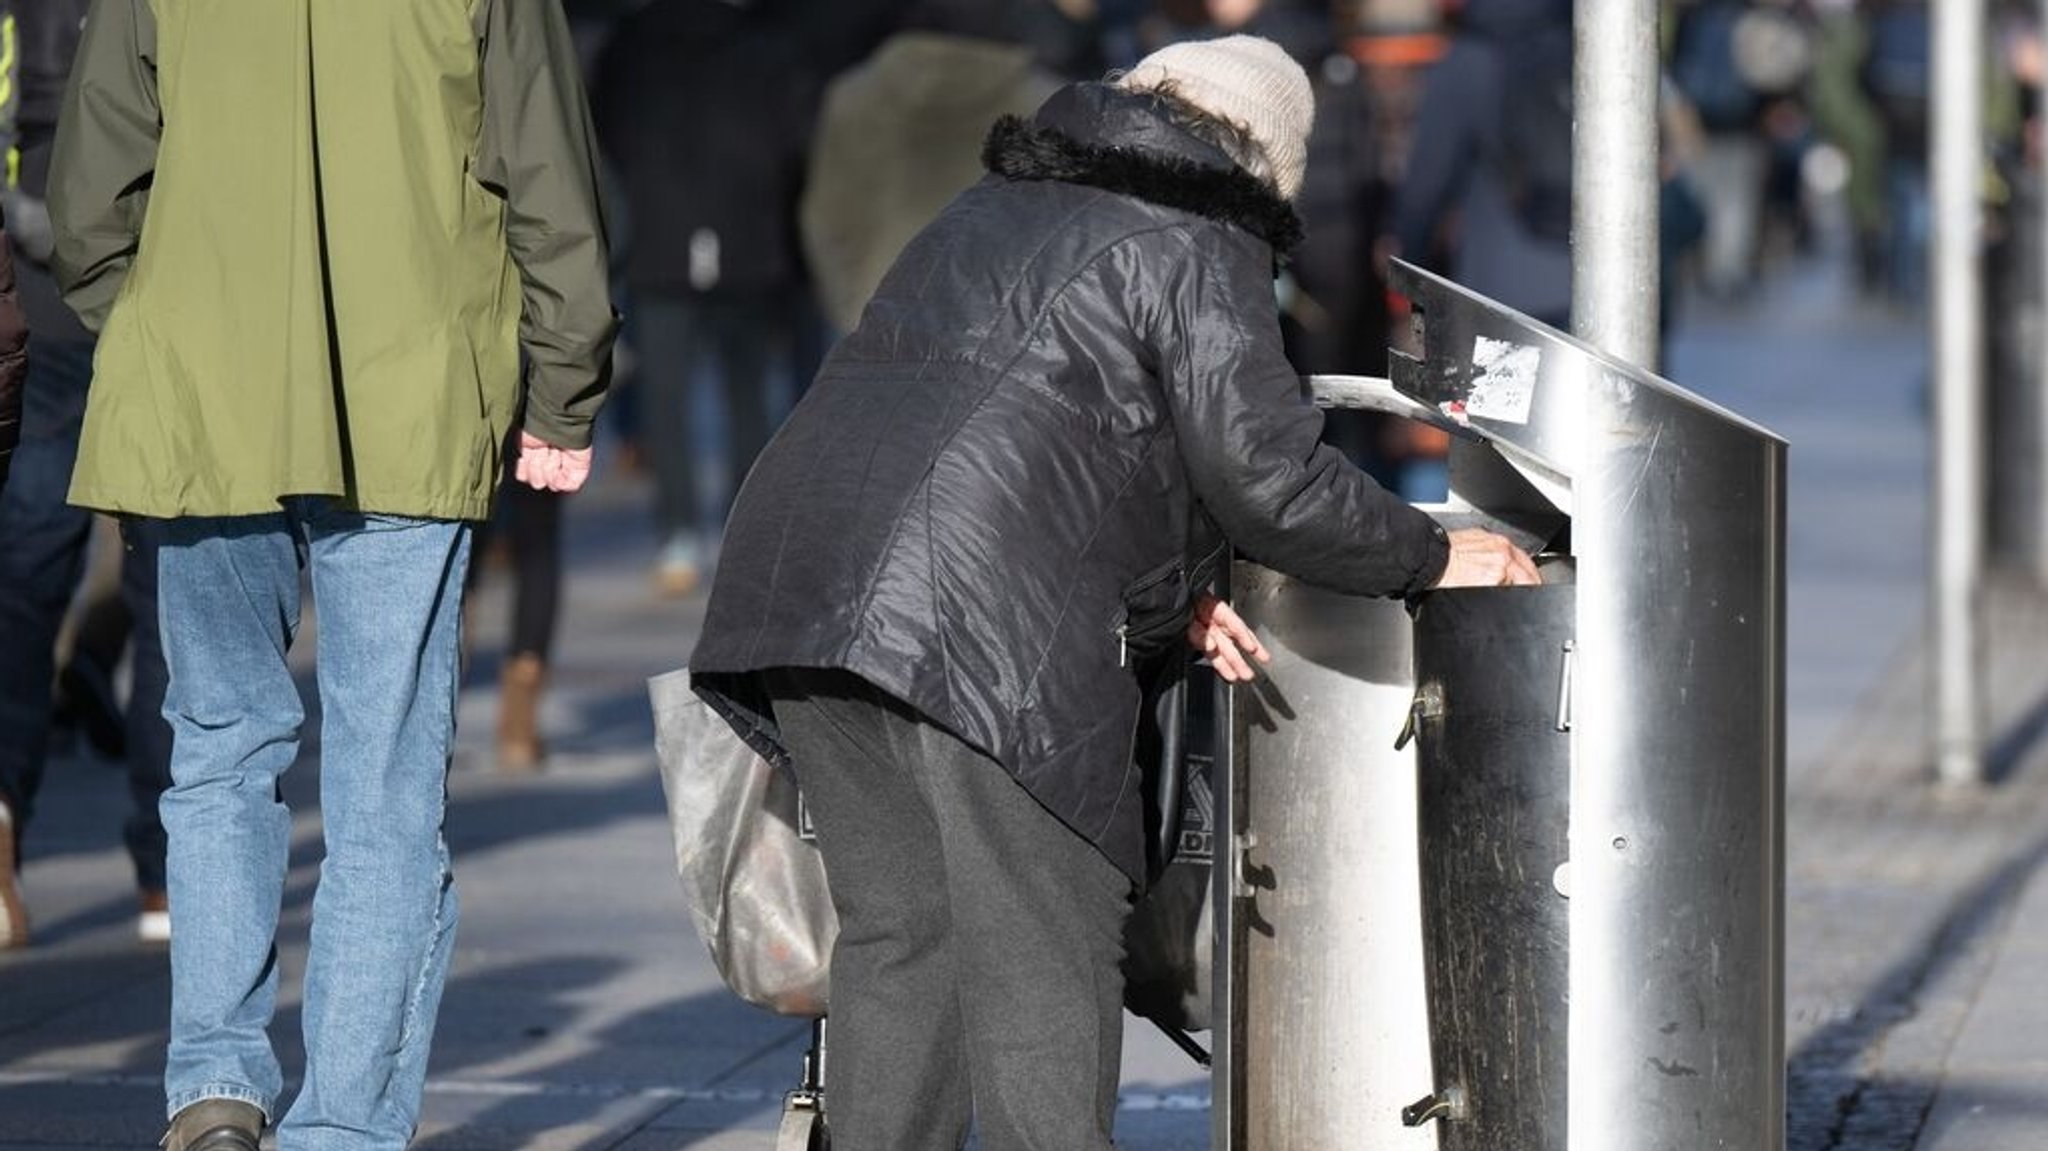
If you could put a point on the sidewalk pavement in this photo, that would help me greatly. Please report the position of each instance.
(582, 1013)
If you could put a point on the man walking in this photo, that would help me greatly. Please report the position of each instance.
(302, 228)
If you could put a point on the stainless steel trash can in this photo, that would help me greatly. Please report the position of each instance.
(1569, 935)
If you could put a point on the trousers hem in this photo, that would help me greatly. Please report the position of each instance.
(236, 1092)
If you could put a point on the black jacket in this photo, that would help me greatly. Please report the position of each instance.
(1007, 483)
(705, 109)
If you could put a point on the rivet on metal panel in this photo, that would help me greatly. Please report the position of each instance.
(1621, 843)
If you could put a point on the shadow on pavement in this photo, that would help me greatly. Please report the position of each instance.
(1828, 1096)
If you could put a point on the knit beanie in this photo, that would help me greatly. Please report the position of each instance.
(1246, 80)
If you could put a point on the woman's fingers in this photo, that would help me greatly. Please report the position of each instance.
(1240, 633)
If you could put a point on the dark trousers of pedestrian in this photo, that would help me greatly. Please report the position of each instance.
(977, 969)
(41, 563)
(708, 364)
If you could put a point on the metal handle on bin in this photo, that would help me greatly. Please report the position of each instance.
(1428, 704)
(1240, 863)
(1432, 1107)
(1374, 394)
(1564, 687)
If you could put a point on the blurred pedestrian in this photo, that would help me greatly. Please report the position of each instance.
(1898, 74)
(705, 108)
(1333, 297)
(1845, 117)
(1010, 484)
(11, 373)
(529, 521)
(47, 540)
(1740, 64)
(303, 228)
(1487, 195)
(900, 135)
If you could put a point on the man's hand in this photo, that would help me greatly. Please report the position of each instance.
(1479, 558)
(547, 468)
(1217, 631)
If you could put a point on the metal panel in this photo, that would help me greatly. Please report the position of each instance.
(1677, 797)
(1334, 1037)
(1677, 971)
(1495, 804)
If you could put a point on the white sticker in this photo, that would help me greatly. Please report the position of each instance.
(1504, 386)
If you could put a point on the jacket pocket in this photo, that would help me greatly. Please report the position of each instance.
(1151, 612)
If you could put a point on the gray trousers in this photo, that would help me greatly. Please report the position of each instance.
(977, 969)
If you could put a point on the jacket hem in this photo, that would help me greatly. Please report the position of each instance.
(116, 502)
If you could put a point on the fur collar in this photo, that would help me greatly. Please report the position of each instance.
(1020, 151)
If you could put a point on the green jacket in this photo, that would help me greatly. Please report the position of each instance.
(318, 235)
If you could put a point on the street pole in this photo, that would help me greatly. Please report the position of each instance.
(1614, 177)
(1956, 161)
(2036, 493)
(1614, 308)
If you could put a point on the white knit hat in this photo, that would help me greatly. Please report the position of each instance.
(1247, 80)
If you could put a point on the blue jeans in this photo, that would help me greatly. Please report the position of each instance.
(389, 591)
(41, 563)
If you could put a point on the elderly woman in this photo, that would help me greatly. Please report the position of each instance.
(1008, 486)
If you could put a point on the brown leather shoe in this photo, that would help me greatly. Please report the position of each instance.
(215, 1125)
(519, 745)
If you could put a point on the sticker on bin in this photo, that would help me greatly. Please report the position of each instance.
(1504, 380)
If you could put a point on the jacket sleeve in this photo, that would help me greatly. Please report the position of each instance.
(105, 156)
(536, 152)
(1251, 443)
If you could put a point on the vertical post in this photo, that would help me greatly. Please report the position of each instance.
(1614, 177)
(1227, 820)
(2036, 492)
(1956, 158)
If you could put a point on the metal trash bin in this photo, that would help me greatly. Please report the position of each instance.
(1559, 926)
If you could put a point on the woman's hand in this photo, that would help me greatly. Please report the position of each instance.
(1482, 559)
(1219, 633)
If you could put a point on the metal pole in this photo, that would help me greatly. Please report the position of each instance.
(1958, 335)
(2035, 494)
(1614, 177)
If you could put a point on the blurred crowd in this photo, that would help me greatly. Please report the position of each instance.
(765, 160)
(768, 158)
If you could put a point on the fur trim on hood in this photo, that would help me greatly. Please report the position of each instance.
(1017, 150)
